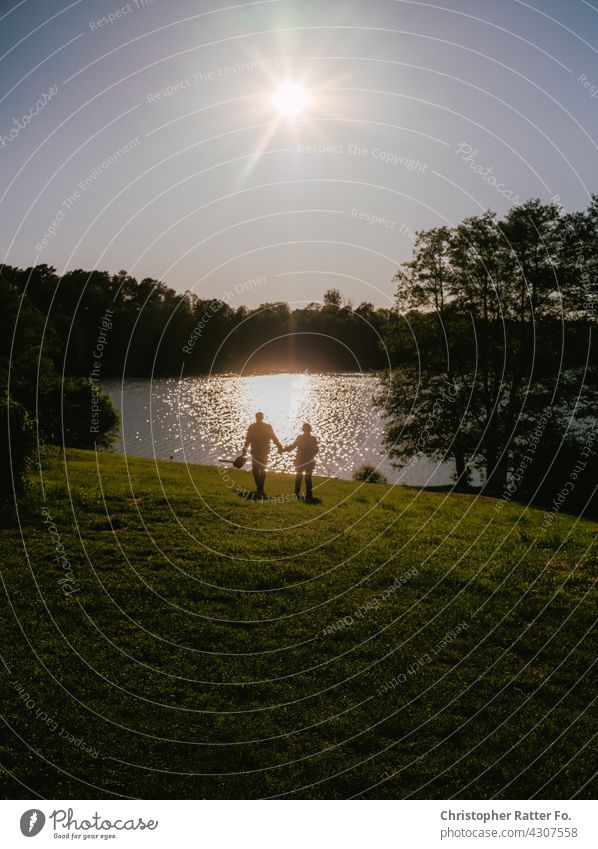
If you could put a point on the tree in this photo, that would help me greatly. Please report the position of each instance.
(577, 262)
(17, 446)
(333, 299)
(425, 283)
(424, 418)
(485, 358)
(31, 352)
(78, 414)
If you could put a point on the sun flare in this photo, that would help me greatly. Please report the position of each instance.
(291, 99)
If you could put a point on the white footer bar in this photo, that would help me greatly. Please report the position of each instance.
(301, 824)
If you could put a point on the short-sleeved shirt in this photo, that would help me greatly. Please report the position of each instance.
(259, 437)
(307, 448)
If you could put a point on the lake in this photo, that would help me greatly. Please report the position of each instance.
(204, 419)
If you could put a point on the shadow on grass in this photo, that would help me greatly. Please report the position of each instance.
(276, 499)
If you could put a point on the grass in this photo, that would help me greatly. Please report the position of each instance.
(384, 642)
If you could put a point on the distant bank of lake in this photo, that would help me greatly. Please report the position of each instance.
(203, 419)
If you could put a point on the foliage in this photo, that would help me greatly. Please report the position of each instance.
(369, 474)
(493, 326)
(32, 355)
(17, 446)
(558, 471)
(333, 298)
(77, 413)
(151, 330)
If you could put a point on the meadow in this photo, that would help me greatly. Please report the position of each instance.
(164, 637)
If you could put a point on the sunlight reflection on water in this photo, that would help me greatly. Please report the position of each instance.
(204, 419)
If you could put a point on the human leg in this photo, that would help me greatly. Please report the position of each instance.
(262, 482)
(259, 475)
(308, 486)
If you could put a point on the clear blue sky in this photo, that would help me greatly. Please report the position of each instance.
(163, 112)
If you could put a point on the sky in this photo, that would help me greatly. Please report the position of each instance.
(149, 136)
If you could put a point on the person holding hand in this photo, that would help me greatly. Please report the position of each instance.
(259, 436)
(307, 447)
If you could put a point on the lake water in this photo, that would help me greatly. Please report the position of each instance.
(204, 419)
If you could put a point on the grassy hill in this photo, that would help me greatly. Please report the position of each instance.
(385, 642)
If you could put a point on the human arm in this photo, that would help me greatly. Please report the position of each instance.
(276, 441)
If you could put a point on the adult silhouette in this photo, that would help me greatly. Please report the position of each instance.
(307, 448)
(259, 436)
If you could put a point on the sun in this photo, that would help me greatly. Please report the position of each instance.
(291, 99)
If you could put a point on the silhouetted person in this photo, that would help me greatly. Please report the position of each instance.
(259, 436)
(307, 448)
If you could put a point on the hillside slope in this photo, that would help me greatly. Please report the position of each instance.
(178, 640)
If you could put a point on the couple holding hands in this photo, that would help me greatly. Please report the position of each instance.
(259, 436)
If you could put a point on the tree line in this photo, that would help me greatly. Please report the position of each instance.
(158, 332)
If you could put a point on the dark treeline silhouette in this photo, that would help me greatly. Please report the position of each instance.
(150, 329)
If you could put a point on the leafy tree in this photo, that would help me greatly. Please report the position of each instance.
(481, 298)
(78, 414)
(32, 350)
(369, 474)
(577, 262)
(17, 446)
(333, 298)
